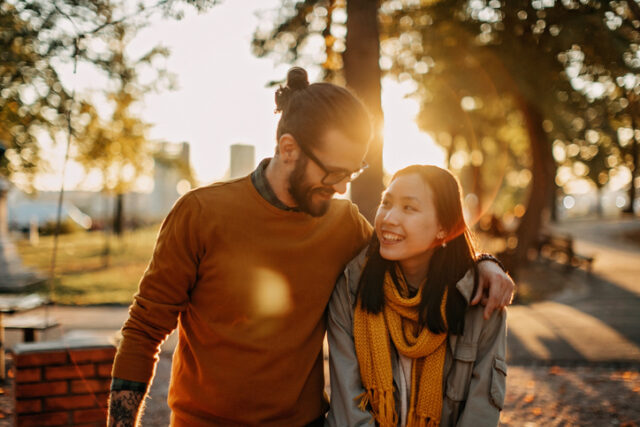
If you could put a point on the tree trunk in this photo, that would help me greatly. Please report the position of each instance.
(450, 151)
(634, 153)
(362, 74)
(599, 207)
(477, 189)
(542, 169)
(553, 203)
(634, 174)
(635, 110)
(4, 211)
(118, 216)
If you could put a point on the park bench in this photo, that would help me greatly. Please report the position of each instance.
(559, 248)
(29, 324)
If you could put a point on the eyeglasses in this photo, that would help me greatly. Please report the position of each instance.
(334, 176)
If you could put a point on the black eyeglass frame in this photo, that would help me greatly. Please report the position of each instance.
(338, 175)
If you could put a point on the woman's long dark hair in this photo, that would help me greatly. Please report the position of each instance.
(447, 265)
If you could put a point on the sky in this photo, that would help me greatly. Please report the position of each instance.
(222, 98)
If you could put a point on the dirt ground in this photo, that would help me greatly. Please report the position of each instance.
(572, 396)
(536, 396)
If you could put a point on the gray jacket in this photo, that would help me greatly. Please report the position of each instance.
(474, 369)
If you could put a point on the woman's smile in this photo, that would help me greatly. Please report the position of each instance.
(390, 238)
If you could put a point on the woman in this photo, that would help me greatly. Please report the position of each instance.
(406, 348)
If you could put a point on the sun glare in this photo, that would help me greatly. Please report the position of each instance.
(404, 143)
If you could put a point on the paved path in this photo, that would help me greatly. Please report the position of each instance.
(78, 321)
(598, 320)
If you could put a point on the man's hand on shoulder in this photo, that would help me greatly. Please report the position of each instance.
(124, 408)
(495, 287)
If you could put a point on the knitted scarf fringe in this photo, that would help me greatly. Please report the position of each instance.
(385, 413)
(415, 420)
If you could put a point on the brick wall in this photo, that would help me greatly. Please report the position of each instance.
(63, 383)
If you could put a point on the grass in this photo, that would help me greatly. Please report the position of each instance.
(85, 274)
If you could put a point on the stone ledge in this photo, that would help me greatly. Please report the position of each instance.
(66, 343)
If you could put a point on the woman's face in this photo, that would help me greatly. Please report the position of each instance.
(406, 222)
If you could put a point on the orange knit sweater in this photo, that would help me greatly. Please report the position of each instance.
(248, 284)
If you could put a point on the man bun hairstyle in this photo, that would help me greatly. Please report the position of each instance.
(297, 79)
(310, 110)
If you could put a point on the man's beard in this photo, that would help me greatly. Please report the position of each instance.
(302, 192)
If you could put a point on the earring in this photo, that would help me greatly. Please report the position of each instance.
(442, 236)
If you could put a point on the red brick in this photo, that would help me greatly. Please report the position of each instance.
(51, 388)
(90, 386)
(102, 399)
(41, 359)
(42, 420)
(24, 406)
(104, 370)
(69, 372)
(29, 375)
(94, 355)
(71, 402)
(88, 415)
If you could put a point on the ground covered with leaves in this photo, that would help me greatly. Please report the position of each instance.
(536, 396)
(572, 396)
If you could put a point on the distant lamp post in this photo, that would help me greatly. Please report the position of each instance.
(13, 276)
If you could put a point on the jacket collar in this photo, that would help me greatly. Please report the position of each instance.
(465, 285)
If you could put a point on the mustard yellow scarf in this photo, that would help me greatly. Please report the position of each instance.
(399, 320)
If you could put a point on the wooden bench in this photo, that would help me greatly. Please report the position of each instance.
(29, 325)
(559, 248)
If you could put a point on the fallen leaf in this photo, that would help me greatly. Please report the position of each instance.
(556, 370)
(536, 411)
(529, 398)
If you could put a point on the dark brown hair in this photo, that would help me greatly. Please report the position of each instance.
(309, 110)
(447, 265)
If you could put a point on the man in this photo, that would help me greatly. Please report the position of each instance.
(246, 268)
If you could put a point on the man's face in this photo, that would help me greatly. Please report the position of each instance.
(335, 152)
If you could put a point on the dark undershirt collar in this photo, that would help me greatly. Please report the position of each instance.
(259, 180)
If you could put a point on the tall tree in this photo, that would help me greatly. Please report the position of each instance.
(117, 146)
(547, 56)
(362, 73)
(35, 37)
